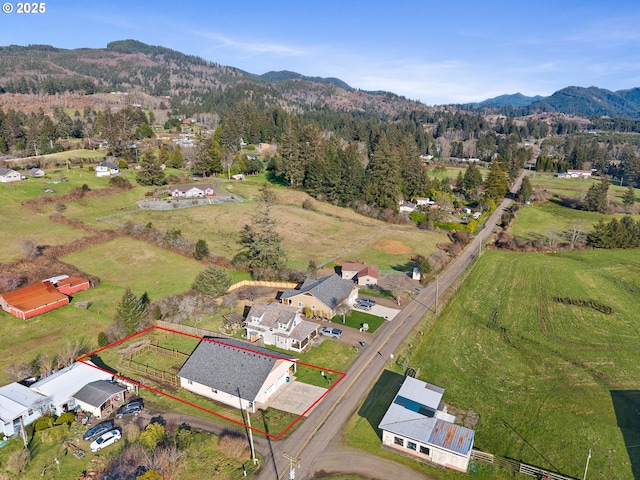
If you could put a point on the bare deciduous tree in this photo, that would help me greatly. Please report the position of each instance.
(18, 371)
(30, 249)
(576, 234)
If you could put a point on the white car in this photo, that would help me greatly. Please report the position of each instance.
(105, 440)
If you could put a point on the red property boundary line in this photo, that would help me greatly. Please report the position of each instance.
(85, 358)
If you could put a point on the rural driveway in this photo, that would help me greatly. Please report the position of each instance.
(297, 397)
(315, 442)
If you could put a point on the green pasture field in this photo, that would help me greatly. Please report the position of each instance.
(536, 221)
(549, 380)
(123, 262)
(573, 187)
(440, 171)
(81, 153)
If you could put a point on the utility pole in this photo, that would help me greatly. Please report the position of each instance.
(253, 450)
(437, 293)
(293, 464)
(586, 467)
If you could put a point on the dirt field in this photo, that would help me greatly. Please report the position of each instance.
(393, 247)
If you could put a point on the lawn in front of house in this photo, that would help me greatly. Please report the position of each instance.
(356, 318)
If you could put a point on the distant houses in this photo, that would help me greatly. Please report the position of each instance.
(9, 175)
(106, 169)
(575, 174)
(192, 191)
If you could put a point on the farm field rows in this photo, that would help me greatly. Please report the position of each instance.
(548, 379)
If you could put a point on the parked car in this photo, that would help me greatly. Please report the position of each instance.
(106, 439)
(98, 429)
(363, 306)
(366, 300)
(134, 407)
(331, 332)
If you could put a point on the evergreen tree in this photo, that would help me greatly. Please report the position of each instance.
(629, 197)
(496, 184)
(176, 157)
(150, 172)
(526, 190)
(382, 182)
(472, 181)
(201, 250)
(213, 282)
(263, 252)
(596, 199)
(131, 310)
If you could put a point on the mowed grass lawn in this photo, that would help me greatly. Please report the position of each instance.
(548, 380)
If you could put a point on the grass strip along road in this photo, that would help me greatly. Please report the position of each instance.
(312, 442)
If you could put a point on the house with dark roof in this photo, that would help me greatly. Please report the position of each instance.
(36, 172)
(19, 404)
(106, 169)
(235, 373)
(99, 398)
(9, 175)
(417, 424)
(280, 325)
(320, 297)
(360, 273)
(33, 300)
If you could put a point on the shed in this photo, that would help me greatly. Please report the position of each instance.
(99, 397)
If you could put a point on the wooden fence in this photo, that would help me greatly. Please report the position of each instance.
(516, 466)
(258, 283)
(128, 362)
(195, 331)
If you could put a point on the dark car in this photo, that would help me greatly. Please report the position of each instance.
(331, 332)
(134, 407)
(98, 429)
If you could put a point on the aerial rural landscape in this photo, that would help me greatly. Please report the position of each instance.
(211, 273)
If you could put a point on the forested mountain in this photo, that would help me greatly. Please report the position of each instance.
(592, 101)
(133, 66)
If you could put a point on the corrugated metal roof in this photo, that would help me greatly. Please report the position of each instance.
(453, 437)
(33, 296)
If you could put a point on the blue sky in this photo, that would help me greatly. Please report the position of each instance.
(433, 51)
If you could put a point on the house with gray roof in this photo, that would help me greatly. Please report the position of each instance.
(100, 398)
(106, 169)
(192, 191)
(235, 373)
(280, 325)
(417, 424)
(9, 175)
(320, 297)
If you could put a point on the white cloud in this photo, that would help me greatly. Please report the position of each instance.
(246, 49)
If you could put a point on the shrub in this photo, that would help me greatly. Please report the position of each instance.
(43, 423)
(103, 340)
(54, 435)
(307, 204)
(152, 436)
(234, 445)
(67, 417)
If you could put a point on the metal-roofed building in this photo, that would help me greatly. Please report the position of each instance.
(19, 404)
(320, 297)
(235, 373)
(27, 302)
(416, 423)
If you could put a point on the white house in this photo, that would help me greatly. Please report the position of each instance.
(19, 403)
(417, 424)
(580, 173)
(280, 325)
(63, 384)
(407, 207)
(235, 373)
(423, 201)
(191, 191)
(361, 273)
(9, 175)
(106, 169)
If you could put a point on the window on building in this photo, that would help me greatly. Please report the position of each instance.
(189, 382)
(213, 390)
(300, 304)
(411, 445)
(398, 441)
(30, 412)
(424, 450)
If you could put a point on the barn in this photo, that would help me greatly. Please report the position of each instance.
(33, 300)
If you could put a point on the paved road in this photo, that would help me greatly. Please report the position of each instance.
(316, 443)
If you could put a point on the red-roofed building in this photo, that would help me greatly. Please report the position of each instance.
(72, 284)
(33, 300)
(360, 273)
